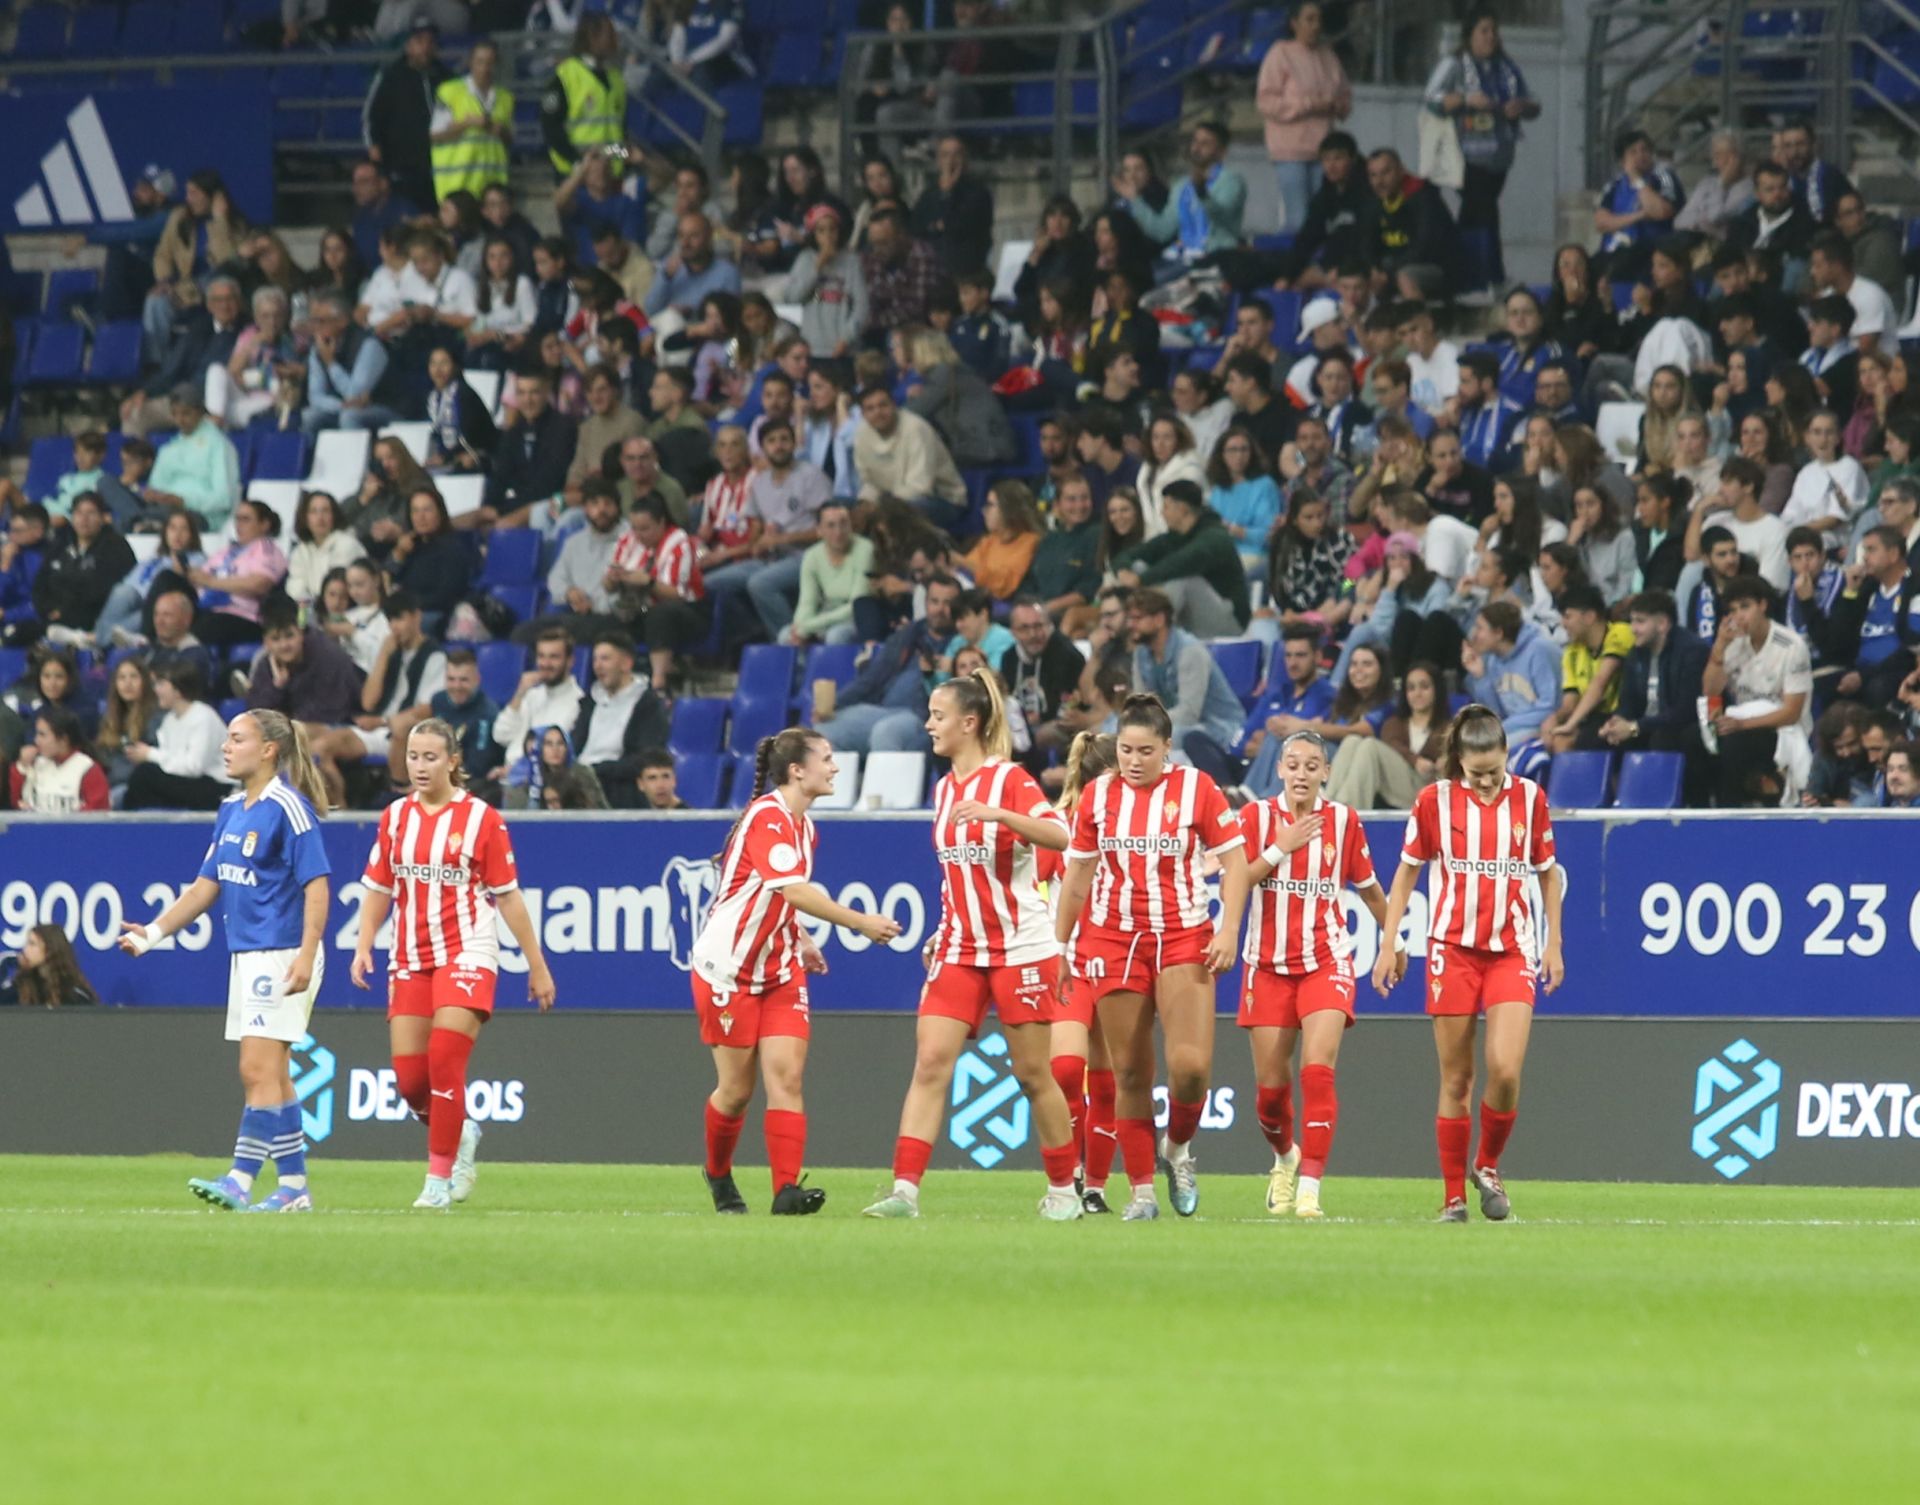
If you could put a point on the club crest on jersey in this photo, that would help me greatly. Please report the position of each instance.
(252, 841)
(726, 1024)
(1173, 809)
(1328, 848)
(1519, 834)
(453, 845)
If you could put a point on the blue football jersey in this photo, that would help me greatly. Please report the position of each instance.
(263, 858)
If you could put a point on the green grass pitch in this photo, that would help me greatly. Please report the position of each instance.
(595, 1334)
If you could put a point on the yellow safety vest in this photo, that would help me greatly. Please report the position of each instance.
(596, 111)
(475, 160)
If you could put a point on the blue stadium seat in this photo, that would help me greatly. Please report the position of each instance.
(1026, 429)
(1264, 27)
(702, 778)
(232, 706)
(513, 557)
(96, 31)
(795, 60)
(69, 286)
(13, 663)
(766, 674)
(699, 725)
(522, 600)
(1578, 780)
(48, 460)
(55, 361)
(741, 787)
(199, 29)
(1286, 317)
(243, 443)
(501, 665)
(149, 30)
(1650, 781)
(583, 666)
(281, 455)
(976, 481)
(754, 719)
(115, 439)
(42, 34)
(1240, 662)
(744, 104)
(116, 354)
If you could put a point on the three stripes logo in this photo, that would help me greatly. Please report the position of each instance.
(1736, 1095)
(80, 164)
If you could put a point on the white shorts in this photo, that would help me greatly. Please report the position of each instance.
(255, 1003)
(378, 742)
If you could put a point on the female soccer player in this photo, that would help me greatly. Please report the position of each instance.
(1489, 832)
(1299, 975)
(748, 962)
(1081, 1064)
(1148, 947)
(268, 864)
(444, 861)
(994, 946)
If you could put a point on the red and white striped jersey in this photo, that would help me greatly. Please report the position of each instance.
(723, 509)
(991, 912)
(675, 563)
(1150, 843)
(1486, 858)
(1295, 922)
(444, 870)
(752, 936)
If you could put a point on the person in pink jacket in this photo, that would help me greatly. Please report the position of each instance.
(1302, 91)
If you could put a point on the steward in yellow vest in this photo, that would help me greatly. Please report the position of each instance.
(586, 105)
(472, 128)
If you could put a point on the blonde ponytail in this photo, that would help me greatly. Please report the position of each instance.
(292, 758)
(1091, 755)
(979, 695)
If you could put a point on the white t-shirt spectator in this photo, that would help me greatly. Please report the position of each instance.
(452, 292)
(1873, 308)
(1779, 667)
(188, 744)
(1821, 489)
(1765, 538)
(1436, 377)
(1448, 547)
(383, 297)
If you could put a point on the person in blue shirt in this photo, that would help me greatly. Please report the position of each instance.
(1876, 622)
(710, 45)
(1485, 419)
(267, 865)
(1635, 208)
(983, 338)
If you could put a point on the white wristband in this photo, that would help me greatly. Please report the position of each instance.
(1400, 944)
(1273, 856)
(148, 936)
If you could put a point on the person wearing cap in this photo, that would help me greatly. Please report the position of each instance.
(1321, 327)
(130, 243)
(397, 120)
(198, 468)
(586, 104)
(472, 127)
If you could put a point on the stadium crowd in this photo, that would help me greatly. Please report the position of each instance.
(1668, 501)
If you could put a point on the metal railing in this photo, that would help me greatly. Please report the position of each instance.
(1637, 50)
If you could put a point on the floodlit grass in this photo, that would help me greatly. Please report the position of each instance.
(591, 1333)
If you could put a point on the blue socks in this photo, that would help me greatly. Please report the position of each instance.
(254, 1143)
(289, 1146)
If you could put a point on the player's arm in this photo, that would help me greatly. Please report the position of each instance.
(1386, 972)
(1552, 963)
(1047, 831)
(1291, 838)
(1074, 888)
(513, 909)
(1392, 943)
(373, 914)
(1224, 948)
(137, 940)
(812, 900)
(318, 896)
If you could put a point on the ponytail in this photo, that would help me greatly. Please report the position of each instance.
(1477, 729)
(436, 726)
(1144, 710)
(1090, 756)
(774, 759)
(292, 758)
(978, 695)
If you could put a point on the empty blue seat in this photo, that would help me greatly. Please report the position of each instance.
(148, 30)
(48, 460)
(1650, 781)
(41, 35)
(501, 665)
(702, 778)
(1286, 317)
(1578, 780)
(766, 674)
(1240, 662)
(96, 31)
(754, 719)
(583, 666)
(56, 355)
(522, 600)
(699, 725)
(795, 61)
(232, 706)
(13, 663)
(1264, 27)
(69, 286)
(513, 557)
(744, 103)
(740, 789)
(281, 455)
(199, 29)
(116, 353)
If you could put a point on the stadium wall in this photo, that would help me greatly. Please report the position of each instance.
(1646, 1100)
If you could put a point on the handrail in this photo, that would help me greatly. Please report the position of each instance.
(1636, 35)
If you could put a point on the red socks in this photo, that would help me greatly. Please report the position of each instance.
(1183, 1120)
(1451, 1135)
(1494, 1129)
(786, 1133)
(1060, 1163)
(410, 1076)
(910, 1157)
(1136, 1148)
(723, 1133)
(1319, 1112)
(1071, 1073)
(1273, 1109)
(447, 1052)
(1102, 1143)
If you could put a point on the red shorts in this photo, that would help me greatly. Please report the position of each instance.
(1019, 994)
(414, 994)
(1273, 1000)
(1128, 961)
(742, 1019)
(1464, 981)
(1078, 1008)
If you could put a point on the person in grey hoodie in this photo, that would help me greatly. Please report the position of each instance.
(577, 583)
(829, 286)
(1512, 668)
(1172, 663)
(955, 399)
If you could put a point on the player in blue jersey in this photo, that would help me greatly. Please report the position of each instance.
(268, 864)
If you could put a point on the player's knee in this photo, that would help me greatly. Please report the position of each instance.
(1186, 1066)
